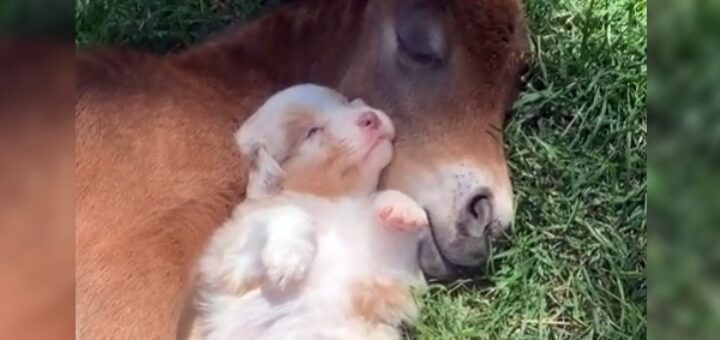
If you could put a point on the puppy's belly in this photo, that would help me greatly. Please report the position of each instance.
(350, 250)
(313, 314)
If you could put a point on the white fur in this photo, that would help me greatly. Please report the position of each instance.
(307, 252)
(338, 243)
(262, 127)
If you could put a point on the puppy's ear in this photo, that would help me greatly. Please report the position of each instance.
(263, 130)
(250, 138)
(266, 177)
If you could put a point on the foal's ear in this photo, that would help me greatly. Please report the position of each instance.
(266, 177)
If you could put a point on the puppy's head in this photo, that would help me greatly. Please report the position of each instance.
(311, 139)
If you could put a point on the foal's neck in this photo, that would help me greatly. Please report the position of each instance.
(308, 42)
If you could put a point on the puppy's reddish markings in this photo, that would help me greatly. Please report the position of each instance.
(298, 123)
(248, 284)
(377, 301)
(324, 179)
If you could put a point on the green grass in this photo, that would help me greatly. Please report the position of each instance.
(574, 266)
(157, 25)
(682, 171)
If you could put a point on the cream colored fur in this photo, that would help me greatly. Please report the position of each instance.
(302, 265)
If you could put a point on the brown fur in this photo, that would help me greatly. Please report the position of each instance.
(316, 180)
(157, 169)
(298, 124)
(332, 177)
(246, 286)
(380, 302)
(36, 179)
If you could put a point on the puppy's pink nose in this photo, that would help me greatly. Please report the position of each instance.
(368, 120)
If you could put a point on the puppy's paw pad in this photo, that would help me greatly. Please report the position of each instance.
(401, 212)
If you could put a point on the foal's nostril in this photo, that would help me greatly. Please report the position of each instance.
(480, 208)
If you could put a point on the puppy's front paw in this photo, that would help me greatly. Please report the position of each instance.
(397, 210)
(288, 261)
(290, 248)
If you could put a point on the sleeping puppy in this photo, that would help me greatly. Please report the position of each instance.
(315, 252)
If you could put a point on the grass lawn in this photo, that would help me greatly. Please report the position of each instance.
(574, 266)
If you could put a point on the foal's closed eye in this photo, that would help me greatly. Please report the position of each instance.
(313, 131)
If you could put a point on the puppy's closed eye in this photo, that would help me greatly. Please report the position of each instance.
(313, 132)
